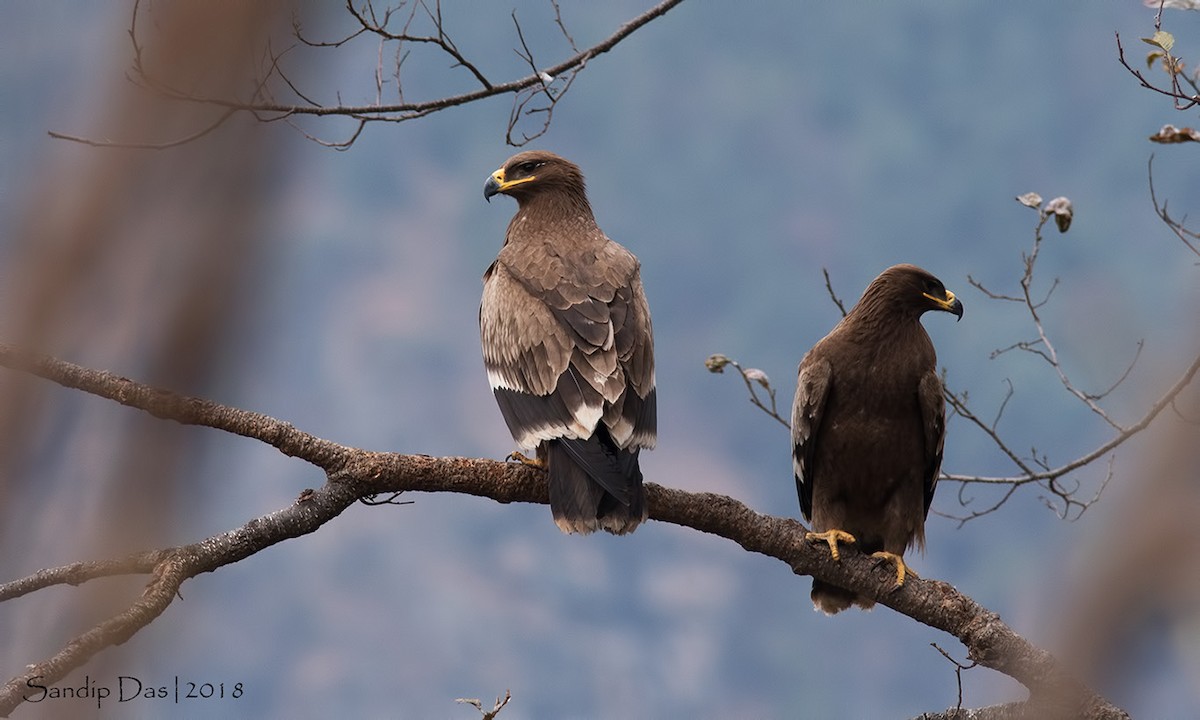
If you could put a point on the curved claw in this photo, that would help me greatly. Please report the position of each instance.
(902, 569)
(832, 538)
(518, 456)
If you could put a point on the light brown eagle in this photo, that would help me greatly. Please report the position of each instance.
(568, 346)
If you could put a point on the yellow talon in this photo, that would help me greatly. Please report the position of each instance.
(902, 569)
(518, 456)
(832, 538)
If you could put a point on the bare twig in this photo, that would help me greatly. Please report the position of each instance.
(958, 669)
(221, 119)
(751, 377)
(522, 101)
(1042, 346)
(562, 26)
(547, 82)
(496, 706)
(1034, 468)
(1186, 236)
(832, 295)
(1183, 99)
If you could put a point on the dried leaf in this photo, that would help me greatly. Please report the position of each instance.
(1030, 199)
(1162, 39)
(1171, 134)
(1153, 57)
(758, 376)
(1063, 212)
(1173, 4)
(716, 363)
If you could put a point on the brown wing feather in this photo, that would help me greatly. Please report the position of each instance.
(933, 418)
(534, 332)
(527, 352)
(524, 346)
(633, 335)
(812, 389)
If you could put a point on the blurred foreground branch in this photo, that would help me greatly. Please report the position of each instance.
(355, 474)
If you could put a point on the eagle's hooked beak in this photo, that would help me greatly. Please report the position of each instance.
(949, 304)
(497, 184)
(493, 184)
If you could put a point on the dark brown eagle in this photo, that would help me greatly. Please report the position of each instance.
(568, 347)
(869, 423)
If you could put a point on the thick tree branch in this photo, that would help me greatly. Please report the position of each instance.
(1007, 711)
(354, 474)
(166, 405)
(171, 568)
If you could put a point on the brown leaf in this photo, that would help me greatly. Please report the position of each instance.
(1030, 199)
(716, 363)
(1169, 134)
(1063, 212)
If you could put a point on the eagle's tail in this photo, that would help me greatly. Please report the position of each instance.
(594, 485)
(831, 599)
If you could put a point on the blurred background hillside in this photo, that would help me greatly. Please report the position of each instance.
(737, 150)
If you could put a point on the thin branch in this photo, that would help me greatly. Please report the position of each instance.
(958, 669)
(531, 85)
(166, 405)
(1137, 354)
(1186, 236)
(959, 405)
(441, 40)
(496, 706)
(221, 119)
(751, 377)
(832, 295)
(334, 144)
(1159, 405)
(81, 572)
(1182, 99)
(1036, 468)
(562, 26)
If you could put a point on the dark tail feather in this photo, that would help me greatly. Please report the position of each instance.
(594, 485)
(600, 458)
(831, 599)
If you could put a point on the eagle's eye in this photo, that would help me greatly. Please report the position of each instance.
(528, 166)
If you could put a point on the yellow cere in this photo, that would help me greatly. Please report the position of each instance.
(505, 184)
